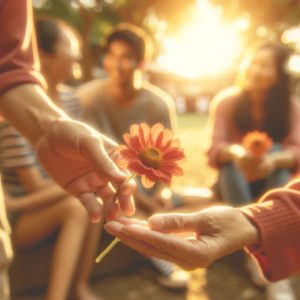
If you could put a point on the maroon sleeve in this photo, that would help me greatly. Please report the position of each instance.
(278, 218)
(18, 54)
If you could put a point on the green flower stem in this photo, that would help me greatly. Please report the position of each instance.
(107, 250)
(115, 240)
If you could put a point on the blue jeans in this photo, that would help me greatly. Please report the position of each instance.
(237, 191)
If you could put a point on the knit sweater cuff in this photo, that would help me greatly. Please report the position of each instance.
(279, 225)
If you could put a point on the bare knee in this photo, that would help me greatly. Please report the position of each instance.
(73, 211)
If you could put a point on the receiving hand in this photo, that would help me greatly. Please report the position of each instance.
(213, 233)
(78, 158)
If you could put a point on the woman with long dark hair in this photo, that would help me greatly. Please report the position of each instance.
(261, 101)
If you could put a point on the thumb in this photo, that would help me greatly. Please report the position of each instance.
(107, 169)
(174, 222)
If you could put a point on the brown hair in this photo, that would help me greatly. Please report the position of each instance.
(135, 37)
(277, 106)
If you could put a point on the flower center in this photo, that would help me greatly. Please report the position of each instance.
(151, 157)
(257, 143)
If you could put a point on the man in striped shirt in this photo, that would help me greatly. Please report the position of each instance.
(74, 154)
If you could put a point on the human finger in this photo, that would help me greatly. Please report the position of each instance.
(93, 205)
(175, 222)
(144, 248)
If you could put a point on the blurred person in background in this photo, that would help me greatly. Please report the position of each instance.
(125, 98)
(79, 158)
(261, 101)
(37, 206)
(112, 105)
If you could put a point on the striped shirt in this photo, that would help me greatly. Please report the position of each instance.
(16, 152)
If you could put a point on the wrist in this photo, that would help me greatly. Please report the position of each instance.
(274, 160)
(251, 230)
(54, 127)
(46, 123)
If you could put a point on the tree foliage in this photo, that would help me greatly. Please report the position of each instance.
(269, 13)
(94, 18)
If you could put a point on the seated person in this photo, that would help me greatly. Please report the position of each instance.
(112, 105)
(37, 206)
(261, 102)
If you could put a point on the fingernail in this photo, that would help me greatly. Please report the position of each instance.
(156, 223)
(118, 173)
(113, 227)
(95, 218)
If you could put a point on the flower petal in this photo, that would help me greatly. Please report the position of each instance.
(134, 130)
(161, 175)
(154, 133)
(172, 168)
(159, 140)
(122, 163)
(146, 182)
(136, 145)
(156, 129)
(168, 136)
(138, 167)
(128, 154)
(166, 146)
(144, 132)
(174, 154)
(127, 138)
(121, 147)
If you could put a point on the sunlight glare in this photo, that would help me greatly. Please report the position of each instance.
(205, 46)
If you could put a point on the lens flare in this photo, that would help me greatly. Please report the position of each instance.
(205, 46)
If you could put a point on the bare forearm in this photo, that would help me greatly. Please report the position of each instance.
(30, 110)
(284, 159)
(228, 153)
(38, 198)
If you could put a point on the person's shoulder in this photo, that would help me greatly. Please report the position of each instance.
(295, 109)
(89, 91)
(226, 97)
(295, 102)
(156, 94)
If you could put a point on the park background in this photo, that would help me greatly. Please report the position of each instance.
(198, 45)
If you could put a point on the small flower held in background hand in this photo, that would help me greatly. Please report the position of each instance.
(151, 153)
(257, 143)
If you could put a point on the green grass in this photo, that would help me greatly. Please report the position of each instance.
(192, 121)
(193, 136)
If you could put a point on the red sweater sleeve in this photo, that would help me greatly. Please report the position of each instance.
(18, 53)
(277, 216)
